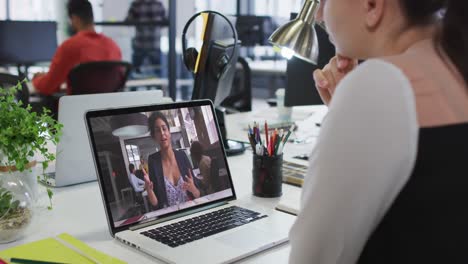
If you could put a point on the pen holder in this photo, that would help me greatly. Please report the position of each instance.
(267, 175)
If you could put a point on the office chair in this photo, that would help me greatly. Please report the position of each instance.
(240, 98)
(99, 77)
(9, 80)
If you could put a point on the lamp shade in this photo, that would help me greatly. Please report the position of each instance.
(130, 125)
(298, 37)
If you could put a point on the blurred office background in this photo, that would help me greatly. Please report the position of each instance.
(267, 68)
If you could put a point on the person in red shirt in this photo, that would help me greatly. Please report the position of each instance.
(87, 45)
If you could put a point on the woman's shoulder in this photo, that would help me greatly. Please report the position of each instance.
(373, 84)
(375, 73)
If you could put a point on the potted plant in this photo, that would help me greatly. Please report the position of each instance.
(23, 133)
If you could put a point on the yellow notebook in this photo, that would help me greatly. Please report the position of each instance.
(59, 249)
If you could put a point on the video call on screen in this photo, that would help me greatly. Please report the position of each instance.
(131, 149)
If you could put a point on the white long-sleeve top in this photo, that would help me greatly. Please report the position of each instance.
(363, 157)
(137, 184)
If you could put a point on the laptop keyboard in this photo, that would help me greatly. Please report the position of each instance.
(205, 225)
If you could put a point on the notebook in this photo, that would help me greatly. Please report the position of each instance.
(290, 201)
(73, 152)
(293, 173)
(59, 250)
(192, 218)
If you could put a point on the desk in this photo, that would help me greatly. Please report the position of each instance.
(302, 140)
(78, 210)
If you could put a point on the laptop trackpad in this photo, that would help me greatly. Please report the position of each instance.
(247, 238)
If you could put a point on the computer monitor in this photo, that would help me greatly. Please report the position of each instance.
(300, 84)
(254, 30)
(207, 83)
(213, 75)
(27, 42)
(218, 41)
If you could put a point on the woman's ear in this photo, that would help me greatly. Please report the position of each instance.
(319, 15)
(373, 11)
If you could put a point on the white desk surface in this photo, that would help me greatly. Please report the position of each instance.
(157, 81)
(78, 210)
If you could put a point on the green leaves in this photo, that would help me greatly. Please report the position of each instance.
(6, 203)
(24, 132)
(50, 194)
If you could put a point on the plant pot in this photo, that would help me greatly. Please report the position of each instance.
(29, 176)
(16, 205)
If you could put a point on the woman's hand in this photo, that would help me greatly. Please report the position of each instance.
(328, 78)
(149, 189)
(190, 185)
(148, 182)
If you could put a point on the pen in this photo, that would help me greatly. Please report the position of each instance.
(285, 139)
(266, 133)
(275, 140)
(258, 134)
(31, 261)
(278, 141)
(289, 133)
(252, 143)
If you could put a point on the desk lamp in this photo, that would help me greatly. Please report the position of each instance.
(298, 37)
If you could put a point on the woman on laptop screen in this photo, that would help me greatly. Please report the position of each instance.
(170, 172)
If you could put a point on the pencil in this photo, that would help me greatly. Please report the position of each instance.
(32, 261)
(288, 134)
(266, 133)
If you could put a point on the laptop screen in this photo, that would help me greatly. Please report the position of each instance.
(154, 161)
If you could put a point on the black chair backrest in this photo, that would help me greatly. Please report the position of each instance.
(99, 77)
(240, 98)
(9, 80)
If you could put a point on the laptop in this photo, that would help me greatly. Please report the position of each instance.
(181, 227)
(74, 163)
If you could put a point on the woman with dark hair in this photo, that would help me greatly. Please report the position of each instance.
(170, 171)
(387, 180)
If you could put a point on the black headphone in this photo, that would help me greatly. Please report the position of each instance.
(190, 55)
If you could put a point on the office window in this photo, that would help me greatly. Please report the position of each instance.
(210, 124)
(133, 154)
(42, 9)
(276, 8)
(3, 10)
(189, 124)
(225, 7)
(33, 10)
